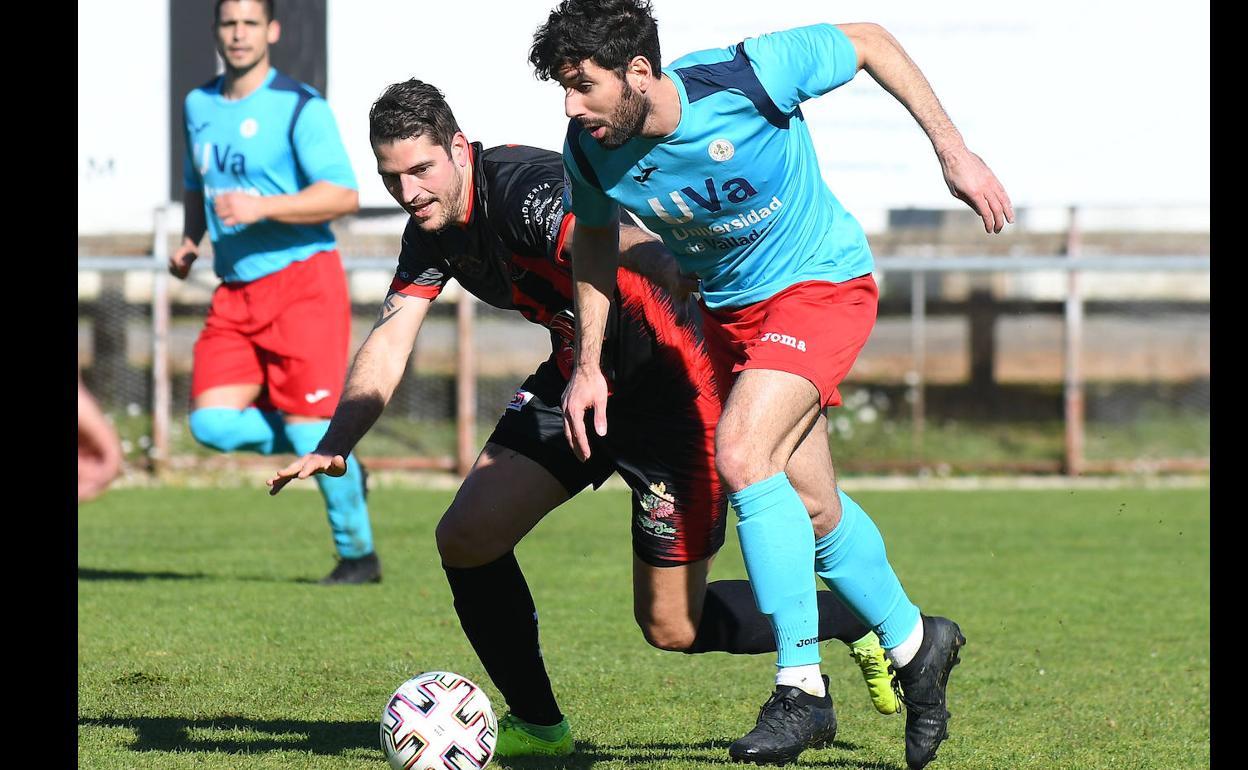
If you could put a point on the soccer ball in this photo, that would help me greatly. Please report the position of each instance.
(438, 721)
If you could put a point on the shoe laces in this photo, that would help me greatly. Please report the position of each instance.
(774, 712)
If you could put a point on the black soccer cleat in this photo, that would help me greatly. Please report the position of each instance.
(366, 569)
(921, 687)
(791, 721)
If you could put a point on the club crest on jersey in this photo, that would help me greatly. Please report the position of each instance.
(721, 150)
(248, 128)
(518, 401)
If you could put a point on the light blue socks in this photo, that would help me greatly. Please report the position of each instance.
(778, 545)
(852, 562)
(231, 430)
(344, 495)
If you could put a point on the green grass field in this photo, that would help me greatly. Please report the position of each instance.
(203, 643)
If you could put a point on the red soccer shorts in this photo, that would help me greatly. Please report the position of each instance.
(814, 329)
(288, 331)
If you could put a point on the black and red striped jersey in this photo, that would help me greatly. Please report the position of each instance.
(510, 254)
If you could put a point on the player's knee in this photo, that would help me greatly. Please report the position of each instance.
(671, 635)
(736, 461)
(214, 428)
(463, 543)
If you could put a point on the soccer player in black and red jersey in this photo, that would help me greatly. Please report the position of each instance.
(494, 220)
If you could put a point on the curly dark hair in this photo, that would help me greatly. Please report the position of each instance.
(609, 32)
(410, 109)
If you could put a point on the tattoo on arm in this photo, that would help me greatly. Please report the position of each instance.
(389, 309)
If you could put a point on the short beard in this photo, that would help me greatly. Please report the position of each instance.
(452, 209)
(626, 119)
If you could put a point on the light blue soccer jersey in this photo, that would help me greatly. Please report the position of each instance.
(275, 141)
(735, 191)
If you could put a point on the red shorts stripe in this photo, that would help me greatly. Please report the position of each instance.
(699, 498)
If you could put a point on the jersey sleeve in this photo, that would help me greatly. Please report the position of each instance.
(802, 63)
(419, 274)
(191, 180)
(581, 196)
(319, 148)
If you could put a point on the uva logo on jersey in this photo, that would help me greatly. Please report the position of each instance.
(221, 158)
(736, 190)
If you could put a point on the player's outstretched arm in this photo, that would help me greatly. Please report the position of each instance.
(969, 179)
(374, 376)
(595, 258)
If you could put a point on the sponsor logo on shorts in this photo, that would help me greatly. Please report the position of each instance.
(319, 395)
(657, 505)
(518, 401)
(784, 339)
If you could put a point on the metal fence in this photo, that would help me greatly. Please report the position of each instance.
(1064, 364)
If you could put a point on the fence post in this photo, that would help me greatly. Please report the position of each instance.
(1073, 380)
(465, 383)
(161, 390)
(918, 352)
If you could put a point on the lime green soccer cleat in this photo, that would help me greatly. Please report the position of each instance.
(877, 670)
(517, 738)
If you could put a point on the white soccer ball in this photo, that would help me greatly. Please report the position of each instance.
(438, 721)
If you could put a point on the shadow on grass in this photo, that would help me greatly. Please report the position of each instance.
(86, 573)
(703, 753)
(174, 734)
(333, 738)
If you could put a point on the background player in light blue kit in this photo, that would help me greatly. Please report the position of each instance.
(713, 154)
(265, 174)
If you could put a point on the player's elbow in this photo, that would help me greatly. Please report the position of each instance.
(869, 39)
(348, 202)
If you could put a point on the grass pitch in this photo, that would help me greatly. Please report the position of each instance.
(203, 642)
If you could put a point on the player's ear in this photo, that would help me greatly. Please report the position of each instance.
(639, 73)
(274, 31)
(459, 149)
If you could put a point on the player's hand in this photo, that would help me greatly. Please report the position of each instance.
(181, 260)
(238, 208)
(306, 466)
(587, 390)
(680, 285)
(99, 462)
(972, 182)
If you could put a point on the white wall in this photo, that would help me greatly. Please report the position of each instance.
(123, 107)
(1097, 104)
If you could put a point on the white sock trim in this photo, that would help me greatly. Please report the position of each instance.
(905, 652)
(809, 678)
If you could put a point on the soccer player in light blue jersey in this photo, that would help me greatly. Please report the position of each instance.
(712, 153)
(265, 174)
